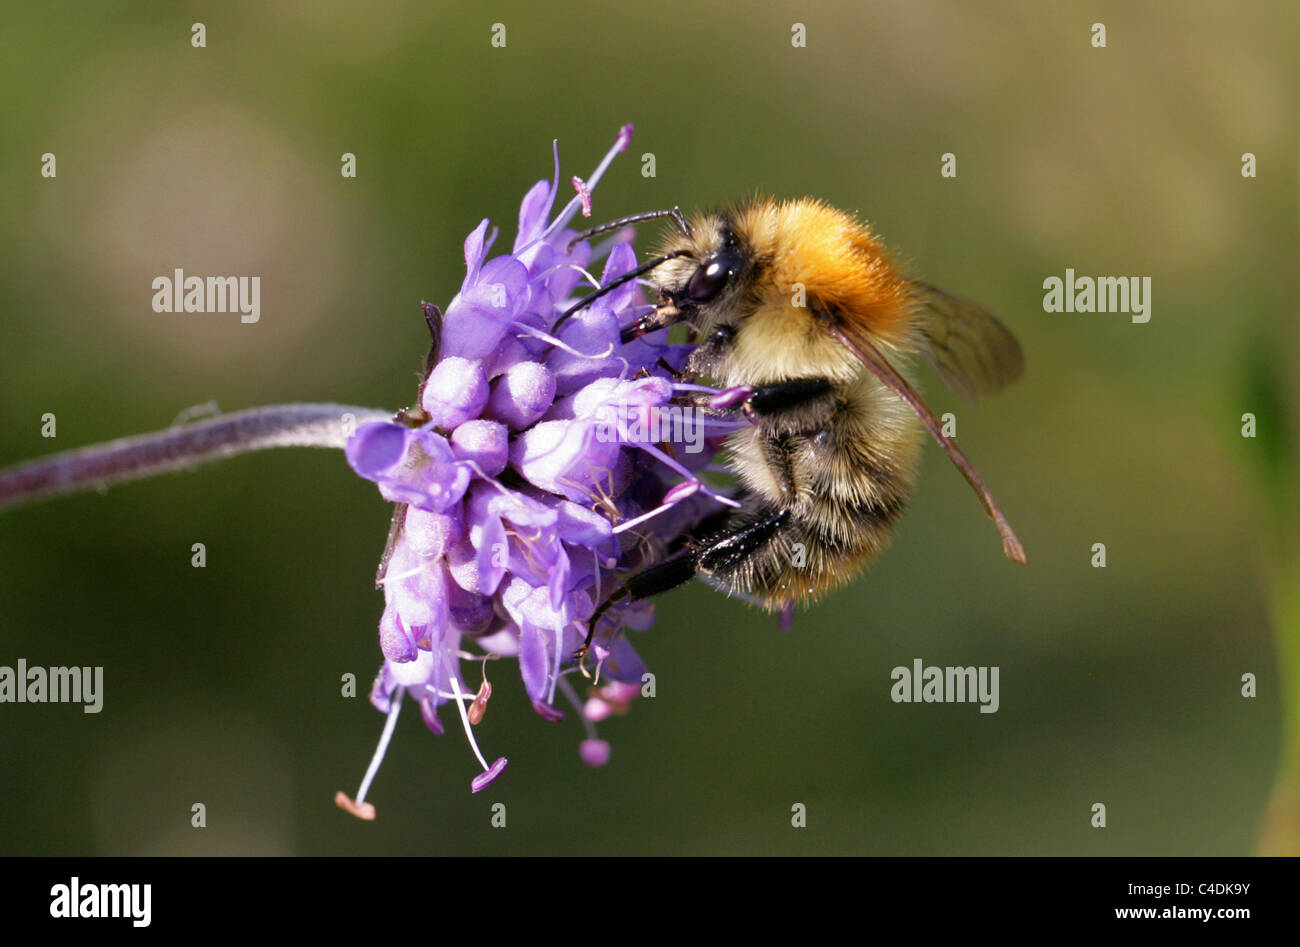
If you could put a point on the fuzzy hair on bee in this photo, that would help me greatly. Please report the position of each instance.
(801, 308)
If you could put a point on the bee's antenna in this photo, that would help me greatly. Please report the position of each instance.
(616, 283)
(675, 213)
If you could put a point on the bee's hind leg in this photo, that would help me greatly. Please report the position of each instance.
(715, 559)
(723, 553)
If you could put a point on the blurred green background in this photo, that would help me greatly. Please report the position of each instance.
(1118, 685)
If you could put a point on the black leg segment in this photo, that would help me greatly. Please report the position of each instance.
(780, 397)
(668, 574)
(720, 551)
(729, 550)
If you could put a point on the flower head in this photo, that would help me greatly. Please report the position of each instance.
(540, 468)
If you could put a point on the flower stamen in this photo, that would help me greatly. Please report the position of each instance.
(584, 195)
(489, 772)
(620, 145)
(478, 706)
(565, 347)
(692, 486)
(360, 808)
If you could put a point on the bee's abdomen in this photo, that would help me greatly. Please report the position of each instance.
(832, 500)
(798, 554)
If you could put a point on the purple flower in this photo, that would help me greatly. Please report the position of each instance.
(411, 466)
(532, 479)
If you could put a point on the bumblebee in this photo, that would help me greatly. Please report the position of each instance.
(800, 312)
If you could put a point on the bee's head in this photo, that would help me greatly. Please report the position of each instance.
(699, 275)
(710, 271)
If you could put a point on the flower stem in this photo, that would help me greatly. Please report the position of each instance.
(177, 448)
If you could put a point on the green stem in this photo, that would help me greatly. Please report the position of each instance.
(177, 448)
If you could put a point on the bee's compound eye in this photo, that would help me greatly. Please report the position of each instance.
(709, 280)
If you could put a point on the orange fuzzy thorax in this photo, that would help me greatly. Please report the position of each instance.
(844, 268)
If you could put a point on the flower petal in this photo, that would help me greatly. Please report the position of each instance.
(534, 660)
(455, 392)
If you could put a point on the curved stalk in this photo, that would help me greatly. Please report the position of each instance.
(181, 447)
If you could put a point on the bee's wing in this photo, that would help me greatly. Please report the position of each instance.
(856, 341)
(972, 351)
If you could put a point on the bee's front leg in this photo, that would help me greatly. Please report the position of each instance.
(672, 572)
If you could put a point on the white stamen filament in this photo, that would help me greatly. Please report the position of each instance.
(460, 698)
(564, 346)
(638, 520)
(407, 574)
(665, 459)
(384, 739)
(573, 266)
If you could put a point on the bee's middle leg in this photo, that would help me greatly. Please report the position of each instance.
(784, 398)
